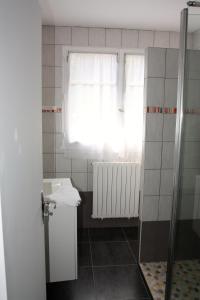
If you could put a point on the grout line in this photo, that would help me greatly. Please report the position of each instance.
(108, 241)
(129, 247)
(91, 260)
(138, 38)
(124, 234)
(154, 38)
(111, 266)
(161, 163)
(136, 263)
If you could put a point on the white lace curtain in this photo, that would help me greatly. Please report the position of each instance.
(94, 125)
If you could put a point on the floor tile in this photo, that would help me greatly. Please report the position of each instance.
(111, 253)
(119, 283)
(106, 234)
(84, 254)
(83, 235)
(55, 291)
(134, 247)
(81, 289)
(131, 233)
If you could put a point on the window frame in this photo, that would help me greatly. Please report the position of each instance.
(121, 59)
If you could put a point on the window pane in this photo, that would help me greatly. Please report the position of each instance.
(133, 105)
(92, 98)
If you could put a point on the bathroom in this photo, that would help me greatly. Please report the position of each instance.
(113, 145)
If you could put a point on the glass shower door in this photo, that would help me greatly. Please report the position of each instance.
(183, 279)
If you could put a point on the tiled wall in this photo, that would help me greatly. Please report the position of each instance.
(160, 117)
(196, 40)
(161, 72)
(191, 137)
(53, 39)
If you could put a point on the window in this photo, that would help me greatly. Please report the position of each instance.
(103, 109)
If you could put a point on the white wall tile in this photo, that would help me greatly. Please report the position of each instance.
(174, 40)
(191, 154)
(188, 181)
(89, 165)
(165, 207)
(48, 96)
(58, 122)
(146, 38)
(154, 127)
(49, 175)
(80, 36)
(48, 122)
(169, 127)
(168, 155)
(196, 40)
(48, 76)
(48, 55)
(59, 143)
(194, 64)
(193, 93)
(48, 35)
(152, 155)
(48, 142)
(130, 38)
(63, 175)
(161, 39)
(113, 38)
(192, 127)
(155, 91)
(62, 35)
(170, 92)
(166, 185)
(97, 37)
(63, 164)
(186, 207)
(150, 208)
(151, 182)
(58, 55)
(189, 41)
(79, 181)
(155, 66)
(59, 97)
(89, 182)
(79, 165)
(172, 63)
(48, 163)
(58, 77)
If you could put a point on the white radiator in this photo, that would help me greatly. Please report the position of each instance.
(115, 190)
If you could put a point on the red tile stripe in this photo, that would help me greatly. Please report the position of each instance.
(170, 110)
(51, 109)
(160, 110)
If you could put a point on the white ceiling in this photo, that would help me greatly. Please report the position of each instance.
(141, 14)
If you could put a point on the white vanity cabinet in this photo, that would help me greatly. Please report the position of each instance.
(63, 244)
(61, 229)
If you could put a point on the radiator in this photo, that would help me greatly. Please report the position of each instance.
(115, 190)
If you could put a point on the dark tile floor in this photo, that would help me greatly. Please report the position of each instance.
(107, 268)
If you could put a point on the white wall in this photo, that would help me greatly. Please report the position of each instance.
(20, 148)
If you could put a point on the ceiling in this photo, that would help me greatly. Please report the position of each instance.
(140, 14)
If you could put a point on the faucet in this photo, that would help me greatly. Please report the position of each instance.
(46, 204)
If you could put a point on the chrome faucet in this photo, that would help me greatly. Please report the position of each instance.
(46, 205)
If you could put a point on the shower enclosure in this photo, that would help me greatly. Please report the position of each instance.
(175, 272)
